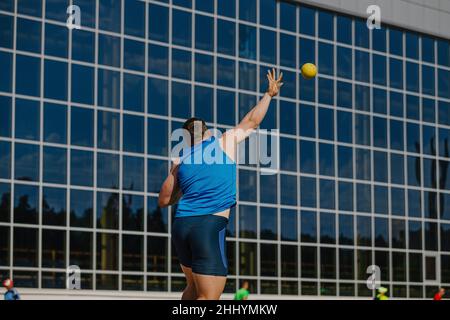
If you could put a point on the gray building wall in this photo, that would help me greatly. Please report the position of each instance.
(427, 16)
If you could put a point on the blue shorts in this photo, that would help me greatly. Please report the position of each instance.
(200, 243)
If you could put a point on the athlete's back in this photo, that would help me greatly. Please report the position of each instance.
(207, 179)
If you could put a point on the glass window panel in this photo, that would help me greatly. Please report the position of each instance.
(326, 27)
(134, 55)
(157, 172)
(398, 233)
(268, 223)
(287, 50)
(158, 90)
(108, 130)
(25, 247)
(158, 59)
(288, 222)
(225, 107)
(26, 204)
(133, 133)
(27, 119)
(344, 63)
(82, 84)
(110, 15)
(158, 23)
(181, 27)
(81, 168)
(204, 31)
(157, 252)
(381, 195)
(6, 75)
(135, 18)
(107, 170)
(157, 218)
(107, 254)
(132, 252)
(326, 91)
(364, 231)
(181, 64)
(346, 230)
(109, 48)
(345, 162)
(55, 165)
(307, 157)
(247, 222)
(363, 198)
(380, 162)
(381, 232)
(412, 45)
(308, 225)
(344, 29)
(204, 104)
(133, 92)
(344, 95)
(107, 210)
(396, 73)
(5, 160)
(327, 228)
(28, 77)
(55, 123)
(6, 33)
(379, 69)
(326, 58)
(226, 8)
(28, 36)
(247, 10)
(204, 70)
(362, 72)
(53, 248)
(361, 33)
(397, 169)
(88, 8)
(247, 41)
(55, 80)
(133, 173)
(26, 162)
(268, 186)
(307, 51)
(267, 46)
(81, 208)
(56, 40)
(82, 127)
(308, 195)
(412, 107)
(428, 50)
(5, 202)
(108, 95)
(226, 32)
(327, 188)
(309, 262)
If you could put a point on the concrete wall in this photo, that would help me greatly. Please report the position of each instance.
(427, 16)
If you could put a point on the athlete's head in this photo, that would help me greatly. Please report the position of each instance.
(245, 285)
(196, 129)
(8, 284)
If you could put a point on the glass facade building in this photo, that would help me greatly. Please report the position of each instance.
(85, 122)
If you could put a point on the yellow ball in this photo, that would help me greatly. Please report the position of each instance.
(309, 71)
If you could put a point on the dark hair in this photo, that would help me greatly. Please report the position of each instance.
(189, 125)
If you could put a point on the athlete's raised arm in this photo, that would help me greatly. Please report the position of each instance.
(253, 119)
(170, 191)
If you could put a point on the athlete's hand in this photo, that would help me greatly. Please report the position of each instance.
(274, 84)
(175, 164)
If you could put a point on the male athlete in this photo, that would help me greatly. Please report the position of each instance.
(206, 191)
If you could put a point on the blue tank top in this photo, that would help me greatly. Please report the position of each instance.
(207, 179)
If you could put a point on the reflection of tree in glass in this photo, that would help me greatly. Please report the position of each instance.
(108, 217)
(132, 219)
(24, 212)
(51, 216)
(155, 220)
(5, 205)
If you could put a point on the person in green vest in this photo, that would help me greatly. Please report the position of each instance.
(382, 294)
(242, 293)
